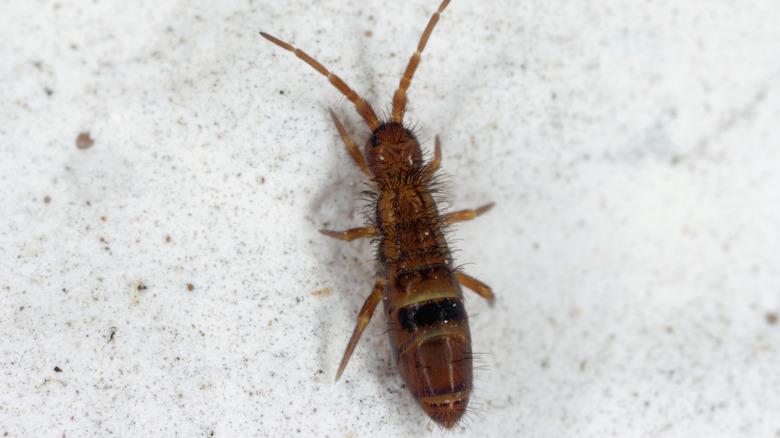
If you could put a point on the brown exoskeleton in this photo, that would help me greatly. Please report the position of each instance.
(417, 282)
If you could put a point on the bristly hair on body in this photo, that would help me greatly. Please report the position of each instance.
(419, 288)
(421, 179)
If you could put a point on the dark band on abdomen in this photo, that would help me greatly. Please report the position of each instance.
(430, 313)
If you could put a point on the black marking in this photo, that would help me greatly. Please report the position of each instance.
(425, 270)
(374, 142)
(406, 276)
(430, 313)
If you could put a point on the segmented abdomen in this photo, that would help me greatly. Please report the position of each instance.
(423, 302)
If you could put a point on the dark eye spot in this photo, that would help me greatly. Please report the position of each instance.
(374, 141)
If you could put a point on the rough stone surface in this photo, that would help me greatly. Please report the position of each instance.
(631, 148)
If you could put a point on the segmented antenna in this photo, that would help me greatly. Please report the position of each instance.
(399, 98)
(363, 108)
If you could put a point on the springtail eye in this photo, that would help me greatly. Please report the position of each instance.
(374, 141)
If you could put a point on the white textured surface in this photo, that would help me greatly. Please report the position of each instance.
(631, 147)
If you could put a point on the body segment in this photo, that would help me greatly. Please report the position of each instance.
(423, 301)
(417, 283)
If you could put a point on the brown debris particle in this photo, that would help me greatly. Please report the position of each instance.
(140, 289)
(190, 287)
(368, 33)
(57, 369)
(168, 238)
(103, 218)
(771, 318)
(325, 291)
(46, 199)
(84, 141)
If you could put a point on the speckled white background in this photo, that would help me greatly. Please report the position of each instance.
(631, 147)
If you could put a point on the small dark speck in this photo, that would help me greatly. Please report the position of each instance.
(368, 33)
(545, 363)
(281, 92)
(112, 334)
(167, 238)
(141, 286)
(57, 369)
(297, 299)
(48, 91)
(190, 287)
(771, 318)
(46, 199)
(103, 218)
(84, 141)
